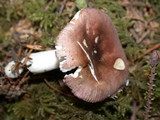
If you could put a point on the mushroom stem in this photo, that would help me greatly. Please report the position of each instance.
(40, 62)
(10, 70)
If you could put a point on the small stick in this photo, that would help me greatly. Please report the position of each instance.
(62, 7)
(34, 47)
(28, 52)
(47, 6)
(57, 90)
(149, 50)
(135, 36)
(27, 56)
(143, 36)
(23, 80)
(19, 53)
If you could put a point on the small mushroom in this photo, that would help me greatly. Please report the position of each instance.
(90, 44)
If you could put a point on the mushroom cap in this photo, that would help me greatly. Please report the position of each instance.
(90, 44)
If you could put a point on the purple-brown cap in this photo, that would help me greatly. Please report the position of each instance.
(90, 44)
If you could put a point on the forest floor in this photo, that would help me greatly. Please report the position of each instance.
(32, 26)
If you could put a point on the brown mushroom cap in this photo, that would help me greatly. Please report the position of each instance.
(90, 43)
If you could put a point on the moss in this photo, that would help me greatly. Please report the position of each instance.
(41, 102)
(81, 3)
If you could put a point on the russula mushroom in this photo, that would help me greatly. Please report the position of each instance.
(90, 44)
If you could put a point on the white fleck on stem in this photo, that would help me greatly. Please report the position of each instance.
(91, 63)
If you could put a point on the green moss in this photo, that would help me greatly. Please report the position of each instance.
(81, 3)
(40, 102)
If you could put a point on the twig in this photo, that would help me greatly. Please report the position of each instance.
(19, 53)
(57, 90)
(143, 36)
(135, 36)
(23, 79)
(62, 7)
(34, 47)
(149, 50)
(27, 56)
(48, 5)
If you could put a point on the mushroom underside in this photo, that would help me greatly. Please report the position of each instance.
(85, 87)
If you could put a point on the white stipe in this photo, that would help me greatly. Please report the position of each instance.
(41, 62)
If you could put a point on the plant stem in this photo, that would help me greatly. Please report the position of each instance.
(154, 60)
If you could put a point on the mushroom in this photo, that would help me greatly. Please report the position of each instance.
(90, 44)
